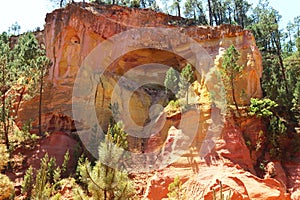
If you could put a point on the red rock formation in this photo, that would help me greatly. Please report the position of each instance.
(243, 185)
(293, 177)
(72, 33)
(70, 36)
(232, 146)
(55, 145)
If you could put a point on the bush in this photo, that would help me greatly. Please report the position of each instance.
(4, 157)
(174, 104)
(102, 181)
(262, 107)
(175, 189)
(6, 187)
(47, 179)
(27, 183)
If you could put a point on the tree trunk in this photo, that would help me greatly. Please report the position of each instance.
(229, 16)
(278, 52)
(178, 9)
(5, 125)
(187, 96)
(40, 100)
(210, 13)
(233, 97)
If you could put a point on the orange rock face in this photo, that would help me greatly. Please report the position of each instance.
(72, 33)
(129, 75)
(236, 184)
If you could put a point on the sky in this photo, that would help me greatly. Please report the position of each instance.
(31, 14)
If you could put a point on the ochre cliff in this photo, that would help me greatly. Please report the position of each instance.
(72, 34)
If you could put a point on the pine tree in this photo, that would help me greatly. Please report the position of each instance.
(176, 7)
(185, 80)
(230, 71)
(103, 181)
(19, 66)
(268, 38)
(14, 29)
(296, 101)
(41, 186)
(6, 76)
(241, 7)
(194, 9)
(171, 82)
(27, 184)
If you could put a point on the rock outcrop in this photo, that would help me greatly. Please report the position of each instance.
(72, 33)
(236, 184)
(118, 56)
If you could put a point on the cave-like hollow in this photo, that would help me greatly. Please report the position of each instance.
(135, 82)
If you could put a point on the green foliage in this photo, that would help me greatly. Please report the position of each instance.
(292, 64)
(79, 194)
(296, 101)
(42, 188)
(276, 133)
(272, 82)
(152, 4)
(64, 166)
(175, 189)
(275, 81)
(230, 70)
(23, 137)
(174, 104)
(221, 196)
(194, 9)
(27, 184)
(185, 80)
(57, 174)
(265, 25)
(102, 181)
(219, 12)
(171, 81)
(178, 84)
(14, 29)
(297, 44)
(262, 107)
(19, 64)
(277, 127)
(57, 196)
(117, 135)
(6, 187)
(4, 157)
(47, 181)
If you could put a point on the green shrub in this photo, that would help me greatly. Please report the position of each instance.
(102, 181)
(47, 180)
(221, 195)
(262, 107)
(27, 184)
(175, 189)
(4, 157)
(6, 187)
